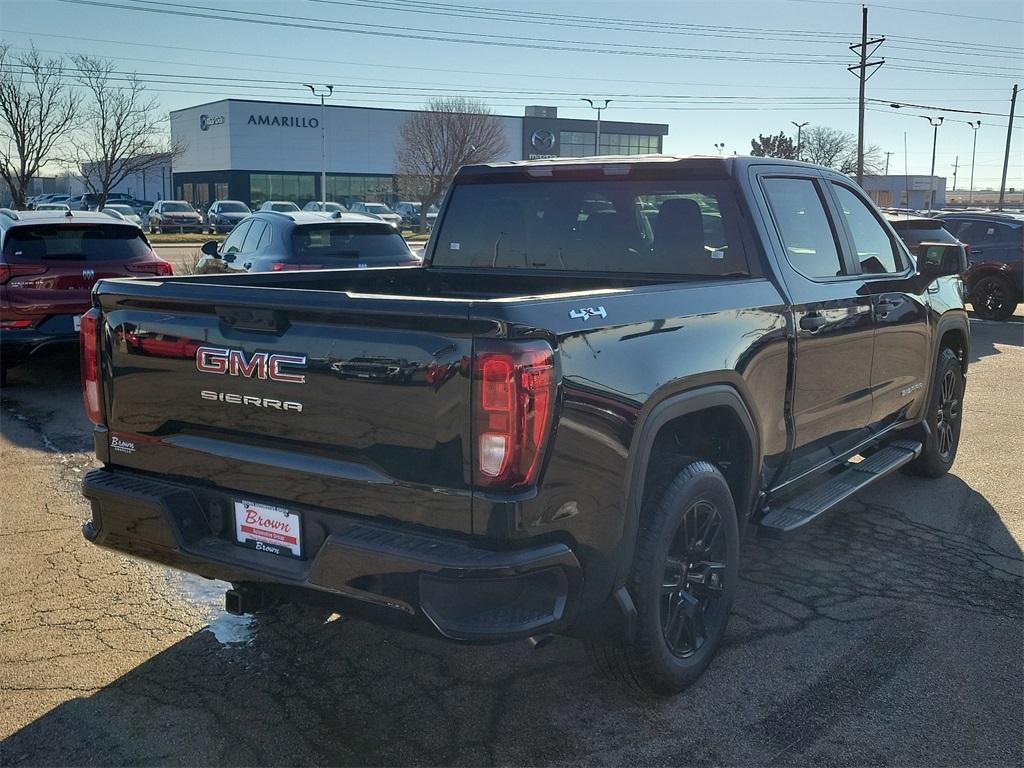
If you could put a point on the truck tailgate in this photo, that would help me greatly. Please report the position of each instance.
(356, 404)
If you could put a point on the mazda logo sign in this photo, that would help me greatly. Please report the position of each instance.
(205, 121)
(543, 139)
(88, 274)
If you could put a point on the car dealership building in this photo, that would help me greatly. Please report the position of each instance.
(260, 150)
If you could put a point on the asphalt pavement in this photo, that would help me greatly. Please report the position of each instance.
(889, 632)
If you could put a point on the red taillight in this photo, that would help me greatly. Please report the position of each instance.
(513, 408)
(157, 267)
(281, 266)
(89, 349)
(7, 271)
(15, 323)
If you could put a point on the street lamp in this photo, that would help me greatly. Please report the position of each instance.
(593, 105)
(720, 146)
(323, 93)
(935, 122)
(975, 125)
(799, 132)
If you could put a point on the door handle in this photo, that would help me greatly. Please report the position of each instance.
(885, 305)
(812, 322)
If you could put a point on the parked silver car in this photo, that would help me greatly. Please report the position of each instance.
(379, 210)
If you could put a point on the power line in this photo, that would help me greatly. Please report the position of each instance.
(380, 30)
(489, 73)
(913, 10)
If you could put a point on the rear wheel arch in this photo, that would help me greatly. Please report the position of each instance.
(720, 406)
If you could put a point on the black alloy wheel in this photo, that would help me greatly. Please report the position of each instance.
(947, 415)
(695, 574)
(992, 298)
(683, 580)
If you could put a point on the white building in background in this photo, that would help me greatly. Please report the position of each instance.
(257, 150)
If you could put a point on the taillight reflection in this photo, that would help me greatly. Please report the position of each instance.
(89, 350)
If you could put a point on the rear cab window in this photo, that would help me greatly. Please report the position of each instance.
(86, 242)
(684, 228)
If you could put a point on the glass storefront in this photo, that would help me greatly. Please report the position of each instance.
(581, 144)
(296, 188)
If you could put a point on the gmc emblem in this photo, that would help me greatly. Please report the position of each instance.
(262, 365)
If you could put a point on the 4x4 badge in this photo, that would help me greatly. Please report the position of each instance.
(585, 313)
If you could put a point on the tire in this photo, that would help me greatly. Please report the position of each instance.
(678, 627)
(993, 297)
(945, 411)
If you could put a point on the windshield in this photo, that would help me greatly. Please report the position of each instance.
(679, 227)
(87, 242)
(347, 240)
(177, 208)
(284, 207)
(377, 208)
(123, 209)
(233, 208)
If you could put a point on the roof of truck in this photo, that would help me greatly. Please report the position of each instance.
(727, 165)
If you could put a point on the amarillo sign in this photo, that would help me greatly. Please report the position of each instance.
(284, 121)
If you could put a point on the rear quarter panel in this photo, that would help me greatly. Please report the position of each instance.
(653, 343)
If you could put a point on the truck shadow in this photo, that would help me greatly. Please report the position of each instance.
(41, 406)
(907, 600)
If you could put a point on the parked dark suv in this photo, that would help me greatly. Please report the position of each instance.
(995, 250)
(272, 241)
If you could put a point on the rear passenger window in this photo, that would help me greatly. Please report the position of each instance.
(234, 242)
(252, 238)
(806, 233)
(876, 251)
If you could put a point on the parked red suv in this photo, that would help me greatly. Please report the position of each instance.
(49, 261)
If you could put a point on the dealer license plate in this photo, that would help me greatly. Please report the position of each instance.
(78, 322)
(274, 530)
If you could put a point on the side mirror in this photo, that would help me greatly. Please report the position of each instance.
(941, 259)
(210, 249)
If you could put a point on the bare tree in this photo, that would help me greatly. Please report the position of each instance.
(837, 149)
(435, 143)
(38, 110)
(123, 132)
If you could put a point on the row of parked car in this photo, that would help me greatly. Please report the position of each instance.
(995, 252)
(222, 215)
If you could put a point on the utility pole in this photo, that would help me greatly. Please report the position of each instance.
(861, 71)
(799, 132)
(323, 94)
(604, 105)
(974, 149)
(887, 155)
(956, 166)
(1006, 157)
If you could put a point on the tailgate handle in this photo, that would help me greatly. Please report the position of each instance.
(246, 319)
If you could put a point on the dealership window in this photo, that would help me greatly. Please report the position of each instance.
(581, 144)
(221, 190)
(298, 188)
(348, 189)
(186, 192)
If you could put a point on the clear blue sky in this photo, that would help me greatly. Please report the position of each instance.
(703, 99)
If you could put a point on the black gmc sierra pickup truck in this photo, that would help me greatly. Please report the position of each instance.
(606, 372)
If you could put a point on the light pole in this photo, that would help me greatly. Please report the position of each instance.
(975, 125)
(325, 91)
(720, 146)
(593, 105)
(935, 122)
(799, 134)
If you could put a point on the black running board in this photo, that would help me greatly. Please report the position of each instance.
(800, 510)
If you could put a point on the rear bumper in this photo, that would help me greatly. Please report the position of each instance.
(18, 345)
(430, 583)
